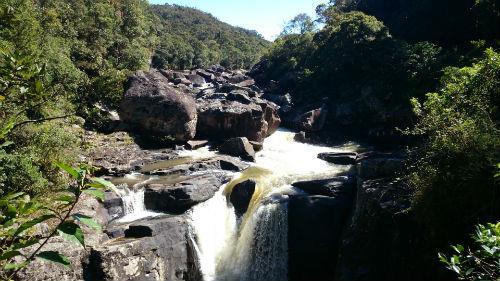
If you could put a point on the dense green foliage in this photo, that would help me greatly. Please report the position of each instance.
(354, 60)
(455, 175)
(481, 262)
(190, 38)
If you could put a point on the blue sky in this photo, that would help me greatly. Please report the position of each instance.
(266, 16)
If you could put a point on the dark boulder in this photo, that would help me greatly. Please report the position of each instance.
(151, 106)
(315, 225)
(241, 195)
(232, 164)
(301, 137)
(239, 96)
(205, 74)
(257, 146)
(312, 120)
(180, 197)
(342, 158)
(327, 187)
(240, 147)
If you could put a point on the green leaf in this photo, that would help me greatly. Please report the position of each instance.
(87, 221)
(99, 194)
(70, 170)
(70, 231)
(6, 144)
(15, 266)
(54, 257)
(32, 223)
(9, 254)
(106, 184)
(69, 198)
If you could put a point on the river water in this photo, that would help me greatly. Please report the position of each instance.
(254, 247)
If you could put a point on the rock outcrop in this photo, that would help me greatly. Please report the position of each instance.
(241, 195)
(222, 116)
(315, 224)
(339, 158)
(153, 249)
(240, 147)
(180, 197)
(152, 106)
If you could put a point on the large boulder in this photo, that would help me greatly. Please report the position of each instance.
(241, 195)
(315, 224)
(196, 79)
(237, 116)
(180, 197)
(240, 147)
(154, 249)
(152, 106)
(327, 187)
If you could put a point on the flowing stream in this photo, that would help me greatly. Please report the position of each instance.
(254, 247)
(131, 186)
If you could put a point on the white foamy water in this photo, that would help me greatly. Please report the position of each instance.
(254, 247)
(133, 201)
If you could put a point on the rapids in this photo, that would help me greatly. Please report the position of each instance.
(254, 247)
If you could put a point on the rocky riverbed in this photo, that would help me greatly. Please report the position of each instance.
(179, 138)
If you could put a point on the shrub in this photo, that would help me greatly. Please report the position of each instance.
(482, 262)
(454, 176)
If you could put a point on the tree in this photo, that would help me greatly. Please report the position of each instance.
(300, 24)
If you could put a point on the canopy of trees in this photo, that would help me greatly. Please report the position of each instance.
(191, 38)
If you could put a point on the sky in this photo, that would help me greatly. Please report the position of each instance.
(265, 16)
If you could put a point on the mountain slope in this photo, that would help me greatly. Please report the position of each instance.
(191, 38)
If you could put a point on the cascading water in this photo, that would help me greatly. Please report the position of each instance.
(133, 197)
(133, 201)
(254, 247)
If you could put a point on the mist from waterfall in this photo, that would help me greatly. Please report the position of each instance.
(254, 247)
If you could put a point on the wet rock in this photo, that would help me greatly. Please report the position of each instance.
(257, 146)
(315, 225)
(347, 158)
(151, 106)
(230, 164)
(113, 203)
(240, 147)
(327, 187)
(180, 197)
(195, 144)
(241, 195)
(167, 254)
(313, 120)
(301, 137)
(381, 224)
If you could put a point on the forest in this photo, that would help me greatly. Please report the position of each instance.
(424, 75)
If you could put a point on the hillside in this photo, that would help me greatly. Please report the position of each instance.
(191, 38)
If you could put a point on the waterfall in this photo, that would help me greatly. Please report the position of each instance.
(133, 201)
(255, 247)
